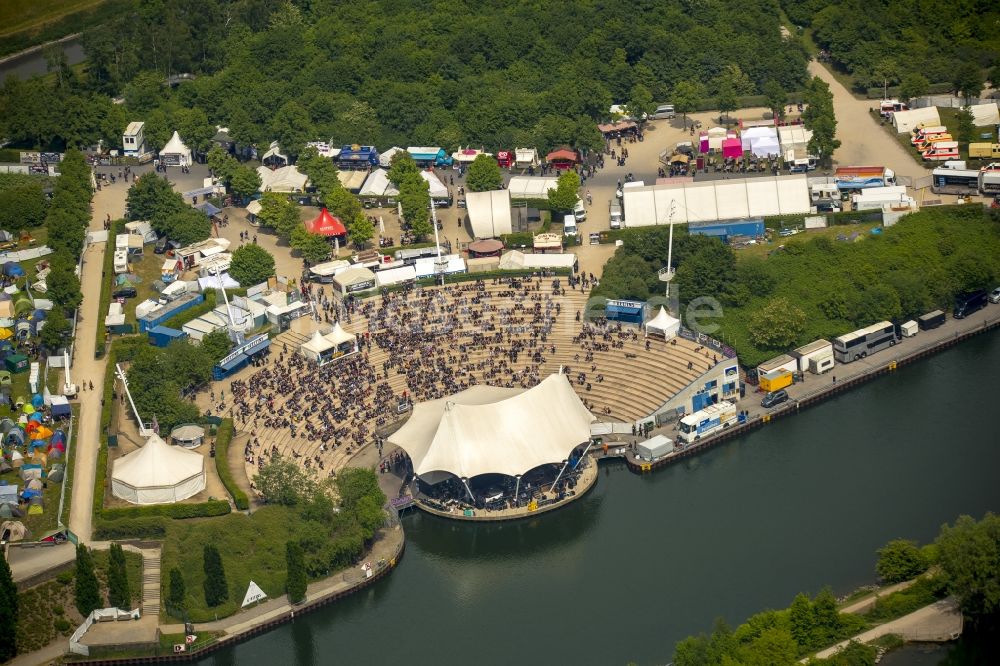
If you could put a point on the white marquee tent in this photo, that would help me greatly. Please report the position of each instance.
(176, 147)
(707, 201)
(282, 179)
(905, 121)
(663, 324)
(377, 185)
(752, 134)
(385, 159)
(765, 146)
(985, 115)
(487, 429)
(531, 187)
(438, 190)
(489, 213)
(158, 474)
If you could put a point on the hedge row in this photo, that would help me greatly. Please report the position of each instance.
(152, 527)
(10, 155)
(200, 510)
(933, 89)
(222, 440)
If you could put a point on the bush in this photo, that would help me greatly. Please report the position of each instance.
(900, 560)
(153, 527)
(222, 441)
(200, 510)
(61, 624)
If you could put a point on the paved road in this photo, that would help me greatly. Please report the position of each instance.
(109, 200)
(865, 604)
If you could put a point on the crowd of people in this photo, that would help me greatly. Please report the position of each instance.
(417, 345)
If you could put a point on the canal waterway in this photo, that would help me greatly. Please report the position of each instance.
(32, 62)
(644, 561)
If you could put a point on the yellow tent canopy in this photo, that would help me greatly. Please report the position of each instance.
(6, 333)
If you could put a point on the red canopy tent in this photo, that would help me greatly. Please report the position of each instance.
(326, 225)
(563, 158)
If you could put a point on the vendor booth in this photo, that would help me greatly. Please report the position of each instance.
(663, 325)
(175, 153)
(326, 225)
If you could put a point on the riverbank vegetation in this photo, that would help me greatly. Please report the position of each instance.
(814, 288)
(894, 42)
(967, 559)
(496, 75)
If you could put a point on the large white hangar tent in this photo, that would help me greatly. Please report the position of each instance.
(985, 115)
(158, 474)
(531, 187)
(707, 201)
(905, 121)
(489, 213)
(494, 430)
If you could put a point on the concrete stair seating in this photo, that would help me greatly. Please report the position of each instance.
(151, 582)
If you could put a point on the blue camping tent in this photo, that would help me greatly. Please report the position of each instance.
(37, 401)
(12, 269)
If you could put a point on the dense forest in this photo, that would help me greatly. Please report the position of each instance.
(938, 41)
(390, 72)
(817, 288)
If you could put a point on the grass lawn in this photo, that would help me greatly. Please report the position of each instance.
(763, 250)
(251, 546)
(17, 15)
(147, 268)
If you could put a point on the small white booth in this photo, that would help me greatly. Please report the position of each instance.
(663, 324)
(175, 153)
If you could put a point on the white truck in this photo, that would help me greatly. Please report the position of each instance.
(615, 215)
(707, 421)
(569, 225)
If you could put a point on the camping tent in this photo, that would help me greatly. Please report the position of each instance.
(663, 324)
(158, 474)
(326, 225)
(12, 530)
(494, 430)
(176, 153)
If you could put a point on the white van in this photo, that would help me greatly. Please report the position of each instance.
(615, 215)
(569, 225)
(664, 111)
(579, 212)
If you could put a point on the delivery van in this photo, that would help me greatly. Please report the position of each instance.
(569, 225)
(615, 215)
(579, 212)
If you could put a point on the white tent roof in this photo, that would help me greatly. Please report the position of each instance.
(282, 179)
(339, 336)
(352, 180)
(212, 282)
(531, 187)
(176, 147)
(489, 213)
(316, 345)
(664, 324)
(791, 136)
(438, 190)
(765, 146)
(253, 208)
(515, 259)
(985, 114)
(385, 159)
(376, 184)
(395, 276)
(158, 473)
(487, 429)
(274, 150)
(905, 121)
(525, 155)
(750, 135)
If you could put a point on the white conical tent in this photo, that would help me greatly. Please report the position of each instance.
(338, 335)
(177, 147)
(158, 474)
(663, 324)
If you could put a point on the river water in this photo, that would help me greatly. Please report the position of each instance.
(642, 562)
(33, 63)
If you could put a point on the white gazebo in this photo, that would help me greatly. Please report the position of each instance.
(175, 153)
(158, 474)
(663, 324)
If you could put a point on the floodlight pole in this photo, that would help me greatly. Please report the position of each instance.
(517, 488)
(465, 483)
(585, 452)
(559, 476)
(670, 245)
(437, 242)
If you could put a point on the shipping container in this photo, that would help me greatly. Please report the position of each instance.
(930, 320)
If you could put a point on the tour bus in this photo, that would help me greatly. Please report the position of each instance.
(929, 140)
(917, 134)
(861, 343)
(968, 304)
(944, 150)
(707, 421)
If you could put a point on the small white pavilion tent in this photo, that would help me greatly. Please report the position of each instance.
(176, 152)
(663, 324)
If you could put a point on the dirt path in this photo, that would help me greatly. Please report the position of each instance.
(108, 201)
(865, 604)
(863, 142)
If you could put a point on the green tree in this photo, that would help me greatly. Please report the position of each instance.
(640, 103)
(361, 229)
(119, 595)
(278, 213)
(967, 80)
(361, 497)
(687, 95)
(342, 204)
(313, 247)
(293, 127)
(402, 168)
(194, 128)
(824, 140)
(801, 620)
(221, 163)
(321, 170)
(56, 330)
(87, 592)
(22, 206)
(415, 201)
(913, 85)
(151, 196)
(217, 344)
(185, 226)
(8, 611)
(899, 560)
(244, 181)
(177, 593)
(566, 193)
(281, 481)
(251, 264)
(295, 583)
(216, 588)
(483, 174)
(63, 284)
(966, 130)
(969, 555)
(777, 324)
(726, 98)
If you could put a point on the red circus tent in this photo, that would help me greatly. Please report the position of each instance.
(326, 225)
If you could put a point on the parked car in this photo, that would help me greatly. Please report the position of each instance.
(774, 398)
(664, 111)
(124, 292)
(161, 245)
(995, 296)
